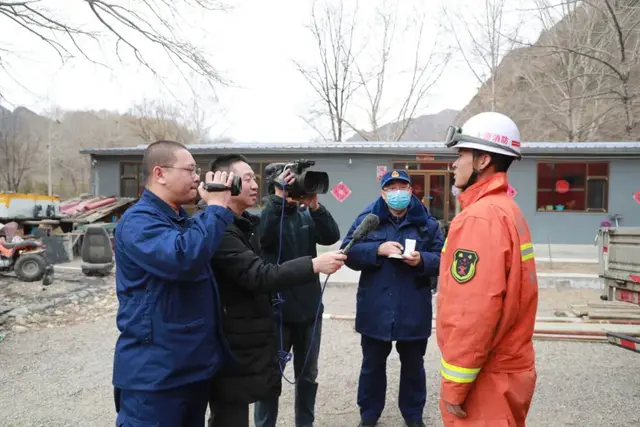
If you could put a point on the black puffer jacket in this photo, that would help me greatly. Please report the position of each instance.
(301, 231)
(246, 284)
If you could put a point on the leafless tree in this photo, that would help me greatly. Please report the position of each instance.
(419, 79)
(19, 146)
(154, 120)
(137, 26)
(615, 48)
(332, 79)
(489, 36)
(567, 87)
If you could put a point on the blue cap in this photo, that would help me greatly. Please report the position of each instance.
(394, 175)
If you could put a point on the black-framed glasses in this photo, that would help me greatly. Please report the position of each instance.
(194, 172)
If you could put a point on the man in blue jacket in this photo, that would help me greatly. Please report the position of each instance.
(394, 297)
(170, 343)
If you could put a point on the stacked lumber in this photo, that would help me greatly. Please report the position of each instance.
(606, 310)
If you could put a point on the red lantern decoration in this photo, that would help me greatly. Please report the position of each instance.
(562, 186)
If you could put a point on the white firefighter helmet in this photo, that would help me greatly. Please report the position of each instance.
(490, 131)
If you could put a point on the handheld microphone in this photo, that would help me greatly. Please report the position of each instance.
(368, 224)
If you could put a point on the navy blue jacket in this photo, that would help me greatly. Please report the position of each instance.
(394, 299)
(168, 314)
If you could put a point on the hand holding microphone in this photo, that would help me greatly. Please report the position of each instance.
(328, 262)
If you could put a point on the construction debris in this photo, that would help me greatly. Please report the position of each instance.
(89, 209)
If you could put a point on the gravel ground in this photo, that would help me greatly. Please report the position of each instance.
(56, 359)
(60, 376)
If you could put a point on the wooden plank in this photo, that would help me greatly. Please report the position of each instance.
(607, 314)
(614, 305)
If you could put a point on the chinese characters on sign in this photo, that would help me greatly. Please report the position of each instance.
(341, 191)
(380, 170)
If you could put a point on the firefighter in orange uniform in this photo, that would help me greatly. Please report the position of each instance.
(488, 292)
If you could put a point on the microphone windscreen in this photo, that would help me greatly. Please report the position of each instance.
(368, 224)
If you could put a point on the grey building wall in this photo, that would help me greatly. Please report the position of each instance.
(577, 227)
(360, 177)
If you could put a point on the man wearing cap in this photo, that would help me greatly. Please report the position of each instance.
(488, 293)
(396, 261)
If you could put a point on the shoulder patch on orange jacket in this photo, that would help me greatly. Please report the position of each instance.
(463, 266)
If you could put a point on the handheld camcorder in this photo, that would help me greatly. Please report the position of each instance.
(236, 187)
(307, 181)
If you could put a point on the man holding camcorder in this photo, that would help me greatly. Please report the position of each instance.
(397, 260)
(246, 287)
(292, 223)
(169, 345)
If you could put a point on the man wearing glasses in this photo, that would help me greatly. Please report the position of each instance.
(397, 261)
(170, 344)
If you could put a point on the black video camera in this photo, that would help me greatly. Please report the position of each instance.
(236, 187)
(307, 181)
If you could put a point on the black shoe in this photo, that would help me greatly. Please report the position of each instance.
(367, 423)
(415, 424)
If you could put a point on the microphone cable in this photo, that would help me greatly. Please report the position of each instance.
(285, 356)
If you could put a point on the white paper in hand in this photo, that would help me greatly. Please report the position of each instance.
(409, 246)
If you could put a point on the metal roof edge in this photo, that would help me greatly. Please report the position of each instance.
(383, 147)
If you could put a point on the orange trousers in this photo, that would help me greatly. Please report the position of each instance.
(496, 400)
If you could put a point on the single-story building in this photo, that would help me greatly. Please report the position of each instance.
(564, 189)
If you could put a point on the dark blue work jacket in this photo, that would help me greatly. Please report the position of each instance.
(394, 299)
(168, 314)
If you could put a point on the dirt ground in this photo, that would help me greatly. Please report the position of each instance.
(57, 353)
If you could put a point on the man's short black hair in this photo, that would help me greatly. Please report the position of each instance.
(501, 162)
(223, 163)
(160, 153)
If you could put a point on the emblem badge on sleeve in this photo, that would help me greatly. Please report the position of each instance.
(463, 267)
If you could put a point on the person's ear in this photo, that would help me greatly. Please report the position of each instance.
(159, 175)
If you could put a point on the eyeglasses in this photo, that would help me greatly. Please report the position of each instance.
(194, 172)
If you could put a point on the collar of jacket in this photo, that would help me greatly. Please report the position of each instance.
(495, 184)
(148, 197)
(277, 201)
(417, 213)
(246, 222)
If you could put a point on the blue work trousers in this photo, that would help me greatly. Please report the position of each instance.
(372, 387)
(179, 407)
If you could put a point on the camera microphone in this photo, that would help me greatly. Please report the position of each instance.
(368, 224)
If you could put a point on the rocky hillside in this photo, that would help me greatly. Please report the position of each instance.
(572, 84)
(430, 127)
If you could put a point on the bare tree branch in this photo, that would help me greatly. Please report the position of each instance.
(332, 77)
(155, 23)
(612, 50)
(424, 73)
(489, 39)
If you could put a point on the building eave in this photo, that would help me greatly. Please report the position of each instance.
(533, 149)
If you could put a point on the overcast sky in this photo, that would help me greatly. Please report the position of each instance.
(254, 45)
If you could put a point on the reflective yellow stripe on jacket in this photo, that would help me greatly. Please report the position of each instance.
(526, 251)
(444, 246)
(458, 374)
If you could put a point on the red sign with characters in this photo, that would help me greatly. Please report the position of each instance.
(341, 191)
(636, 197)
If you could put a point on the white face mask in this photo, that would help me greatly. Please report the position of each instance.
(455, 191)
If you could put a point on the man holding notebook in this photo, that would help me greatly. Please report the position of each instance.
(397, 262)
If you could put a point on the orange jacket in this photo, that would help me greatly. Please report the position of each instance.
(488, 292)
